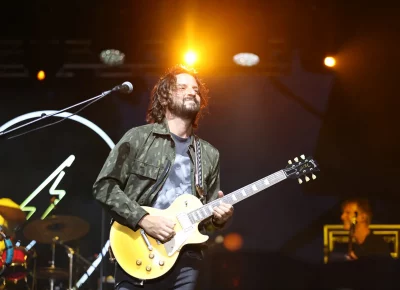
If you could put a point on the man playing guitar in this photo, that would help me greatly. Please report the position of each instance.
(154, 164)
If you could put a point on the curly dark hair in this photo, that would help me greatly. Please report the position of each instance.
(161, 94)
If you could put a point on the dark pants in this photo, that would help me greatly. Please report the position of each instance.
(182, 276)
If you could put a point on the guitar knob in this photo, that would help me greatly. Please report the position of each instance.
(307, 178)
(161, 263)
(148, 268)
(296, 159)
(151, 256)
(313, 176)
(300, 181)
(138, 262)
(302, 156)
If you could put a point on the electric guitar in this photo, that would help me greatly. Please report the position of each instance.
(145, 258)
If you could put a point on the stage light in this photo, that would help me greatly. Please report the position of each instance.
(41, 75)
(219, 239)
(246, 59)
(233, 241)
(190, 57)
(330, 61)
(112, 57)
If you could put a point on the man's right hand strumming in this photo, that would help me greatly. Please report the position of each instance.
(158, 227)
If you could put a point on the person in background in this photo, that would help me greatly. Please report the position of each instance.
(356, 216)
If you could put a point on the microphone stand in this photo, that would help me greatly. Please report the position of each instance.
(351, 234)
(94, 99)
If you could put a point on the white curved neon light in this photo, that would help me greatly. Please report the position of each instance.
(76, 118)
(96, 129)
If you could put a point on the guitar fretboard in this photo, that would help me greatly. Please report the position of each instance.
(234, 197)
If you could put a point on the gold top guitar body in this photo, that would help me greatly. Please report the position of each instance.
(142, 256)
(145, 258)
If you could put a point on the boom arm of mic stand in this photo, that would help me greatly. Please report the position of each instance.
(102, 95)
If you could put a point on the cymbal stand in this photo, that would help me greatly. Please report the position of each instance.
(52, 263)
(71, 254)
(71, 261)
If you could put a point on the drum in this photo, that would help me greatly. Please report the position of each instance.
(17, 270)
(2, 245)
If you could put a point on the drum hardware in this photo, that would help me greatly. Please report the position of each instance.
(70, 252)
(56, 230)
(2, 283)
(8, 253)
(16, 271)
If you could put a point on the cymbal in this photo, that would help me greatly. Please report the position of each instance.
(11, 211)
(66, 228)
(52, 273)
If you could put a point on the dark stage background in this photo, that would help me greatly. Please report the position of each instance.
(347, 119)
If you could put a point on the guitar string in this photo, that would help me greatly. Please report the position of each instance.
(204, 211)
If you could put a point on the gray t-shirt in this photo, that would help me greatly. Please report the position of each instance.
(179, 179)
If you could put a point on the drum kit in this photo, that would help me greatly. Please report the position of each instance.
(18, 263)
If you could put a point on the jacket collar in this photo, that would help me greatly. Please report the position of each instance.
(163, 129)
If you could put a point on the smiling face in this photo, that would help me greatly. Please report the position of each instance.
(185, 98)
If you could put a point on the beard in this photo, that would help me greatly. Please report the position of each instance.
(186, 109)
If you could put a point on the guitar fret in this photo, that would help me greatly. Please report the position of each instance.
(238, 195)
(203, 209)
(191, 218)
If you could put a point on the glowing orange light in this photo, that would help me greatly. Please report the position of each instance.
(190, 57)
(41, 75)
(233, 242)
(329, 61)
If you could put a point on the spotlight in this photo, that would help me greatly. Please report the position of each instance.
(330, 61)
(112, 57)
(190, 57)
(41, 75)
(246, 59)
(233, 242)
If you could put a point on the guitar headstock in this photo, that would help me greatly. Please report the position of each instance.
(300, 167)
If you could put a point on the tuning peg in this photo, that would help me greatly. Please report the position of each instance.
(296, 159)
(313, 176)
(307, 178)
(300, 181)
(302, 156)
(290, 162)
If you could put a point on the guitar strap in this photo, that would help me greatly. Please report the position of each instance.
(198, 173)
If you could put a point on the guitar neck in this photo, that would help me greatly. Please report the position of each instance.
(206, 211)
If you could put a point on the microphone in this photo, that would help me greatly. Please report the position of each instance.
(354, 219)
(125, 88)
(353, 222)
